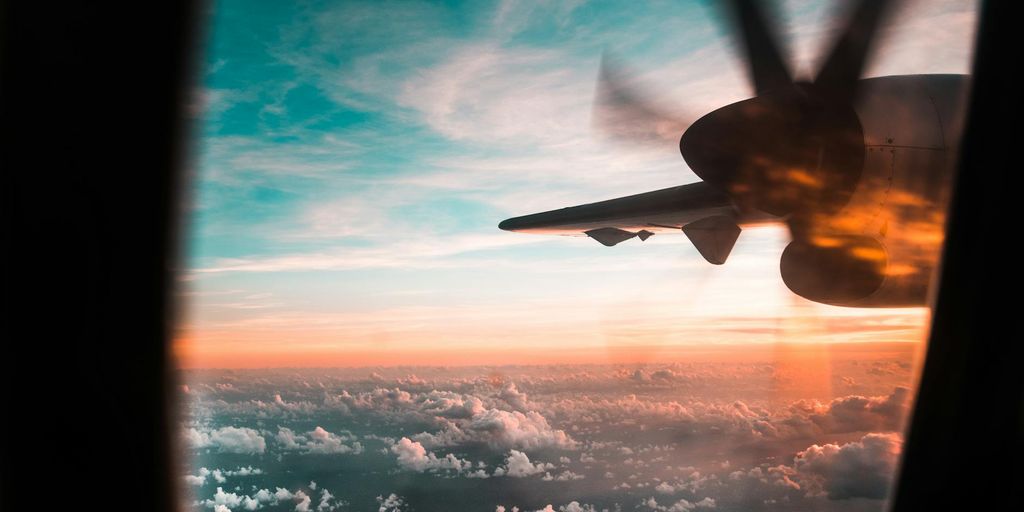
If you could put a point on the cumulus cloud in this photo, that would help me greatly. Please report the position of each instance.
(238, 440)
(518, 465)
(195, 480)
(195, 437)
(244, 471)
(250, 503)
(861, 469)
(303, 501)
(228, 500)
(399, 402)
(259, 499)
(412, 455)
(680, 505)
(802, 419)
(501, 429)
(855, 413)
(692, 481)
(564, 476)
(575, 506)
(198, 479)
(325, 504)
(287, 439)
(242, 440)
(570, 507)
(318, 441)
(858, 469)
(530, 430)
(449, 405)
(513, 397)
(393, 503)
(379, 400)
(262, 497)
(463, 418)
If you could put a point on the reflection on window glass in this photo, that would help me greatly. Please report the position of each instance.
(745, 334)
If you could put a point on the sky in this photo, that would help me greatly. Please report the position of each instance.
(351, 162)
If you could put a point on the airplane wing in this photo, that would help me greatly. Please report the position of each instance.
(704, 213)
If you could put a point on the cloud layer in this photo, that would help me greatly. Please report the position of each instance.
(679, 436)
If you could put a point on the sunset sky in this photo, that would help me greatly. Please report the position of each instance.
(352, 161)
(356, 333)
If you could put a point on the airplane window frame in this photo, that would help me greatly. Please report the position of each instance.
(94, 221)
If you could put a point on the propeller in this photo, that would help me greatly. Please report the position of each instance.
(794, 150)
(767, 67)
(621, 112)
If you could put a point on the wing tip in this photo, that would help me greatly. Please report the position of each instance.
(509, 224)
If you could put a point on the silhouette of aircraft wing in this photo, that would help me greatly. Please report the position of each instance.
(858, 169)
(701, 211)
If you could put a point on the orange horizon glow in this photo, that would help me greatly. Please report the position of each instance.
(656, 317)
(190, 356)
(654, 329)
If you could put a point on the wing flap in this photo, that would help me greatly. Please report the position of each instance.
(714, 237)
(609, 237)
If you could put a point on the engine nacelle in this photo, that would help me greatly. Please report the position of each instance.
(842, 270)
(859, 271)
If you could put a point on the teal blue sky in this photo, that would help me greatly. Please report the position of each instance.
(352, 161)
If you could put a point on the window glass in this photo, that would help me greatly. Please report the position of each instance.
(358, 333)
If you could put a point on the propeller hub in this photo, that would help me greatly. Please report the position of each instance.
(786, 152)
